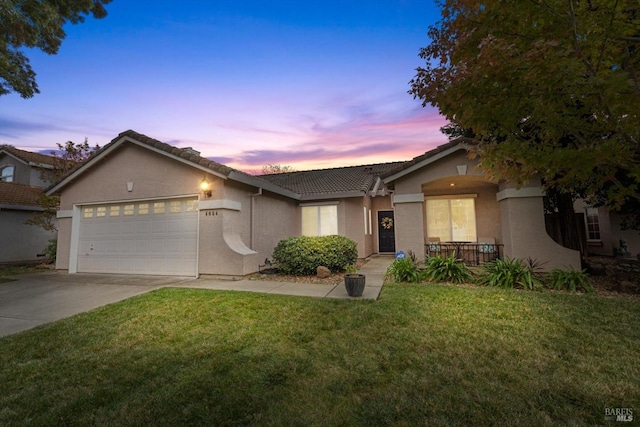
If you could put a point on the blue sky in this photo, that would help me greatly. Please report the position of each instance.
(310, 84)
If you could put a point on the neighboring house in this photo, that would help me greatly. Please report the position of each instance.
(23, 175)
(603, 233)
(140, 206)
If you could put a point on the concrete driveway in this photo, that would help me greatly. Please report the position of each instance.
(36, 299)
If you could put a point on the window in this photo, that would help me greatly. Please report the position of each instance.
(592, 222)
(175, 207)
(366, 217)
(192, 205)
(87, 212)
(143, 208)
(452, 220)
(158, 208)
(114, 211)
(127, 210)
(6, 173)
(101, 211)
(319, 220)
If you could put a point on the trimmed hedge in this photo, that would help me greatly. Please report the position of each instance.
(303, 255)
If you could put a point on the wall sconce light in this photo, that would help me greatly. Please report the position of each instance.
(205, 186)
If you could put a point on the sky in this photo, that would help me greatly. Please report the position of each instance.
(307, 84)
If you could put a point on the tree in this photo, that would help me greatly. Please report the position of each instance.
(549, 88)
(36, 24)
(68, 157)
(275, 169)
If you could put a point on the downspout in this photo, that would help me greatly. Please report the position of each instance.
(253, 217)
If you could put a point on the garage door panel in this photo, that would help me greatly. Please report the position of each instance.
(154, 237)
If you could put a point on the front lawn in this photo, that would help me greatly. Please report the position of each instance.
(435, 355)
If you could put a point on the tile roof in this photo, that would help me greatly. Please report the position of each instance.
(303, 185)
(13, 194)
(330, 181)
(28, 156)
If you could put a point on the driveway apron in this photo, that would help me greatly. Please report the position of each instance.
(36, 299)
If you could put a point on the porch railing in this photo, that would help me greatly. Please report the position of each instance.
(470, 253)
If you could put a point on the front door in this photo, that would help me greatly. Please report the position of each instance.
(386, 232)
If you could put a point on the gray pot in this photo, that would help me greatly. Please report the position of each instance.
(354, 284)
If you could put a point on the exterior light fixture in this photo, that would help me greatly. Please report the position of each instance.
(205, 186)
(453, 184)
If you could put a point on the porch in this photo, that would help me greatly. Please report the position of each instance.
(471, 253)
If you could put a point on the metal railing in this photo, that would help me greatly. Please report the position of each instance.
(470, 253)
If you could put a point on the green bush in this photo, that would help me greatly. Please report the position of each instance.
(438, 269)
(571, 280)
(51, 250)
(303, 255)
(508, 273)
(405, 270)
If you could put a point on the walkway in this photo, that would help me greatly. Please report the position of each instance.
(374, 269)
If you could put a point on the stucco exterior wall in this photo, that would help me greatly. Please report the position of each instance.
(523, 229)
(153, 176)
(21, 242)
(445, 167)
(409, 227)
(275, 218)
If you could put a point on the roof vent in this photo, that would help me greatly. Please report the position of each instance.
(191, 150)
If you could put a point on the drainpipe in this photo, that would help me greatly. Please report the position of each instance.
(253, 217)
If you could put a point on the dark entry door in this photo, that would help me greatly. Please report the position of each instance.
(386, 232)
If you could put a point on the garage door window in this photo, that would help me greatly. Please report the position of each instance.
(158, 208)
(128, 210)
(175, 207)
(192, 205)
(114, 211)
(87, 212)
(143, 208)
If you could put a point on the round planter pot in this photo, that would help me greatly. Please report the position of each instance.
(354, 284)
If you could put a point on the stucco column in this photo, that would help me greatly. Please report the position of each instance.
(409, 223)
(523, 228)
(221, 250)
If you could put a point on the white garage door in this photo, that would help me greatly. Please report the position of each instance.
(150, 237)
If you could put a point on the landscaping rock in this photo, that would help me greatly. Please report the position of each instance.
(323, 272)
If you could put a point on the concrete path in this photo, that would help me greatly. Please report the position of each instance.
(374, 269)
(36, 299)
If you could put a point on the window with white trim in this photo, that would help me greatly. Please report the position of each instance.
(452, 220)
(6, 173)
(592, 223)
(319, 220)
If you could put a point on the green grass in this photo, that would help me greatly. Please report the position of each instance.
(434, 355)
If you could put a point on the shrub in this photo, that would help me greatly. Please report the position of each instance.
(302, 255)
(405, 270)
(571, 280)
(439, 269)
(508, 273)
(50, 251)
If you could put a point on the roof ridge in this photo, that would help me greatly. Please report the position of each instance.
(29, 156)
(335, 168)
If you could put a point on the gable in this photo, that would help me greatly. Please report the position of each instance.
(133, 172)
